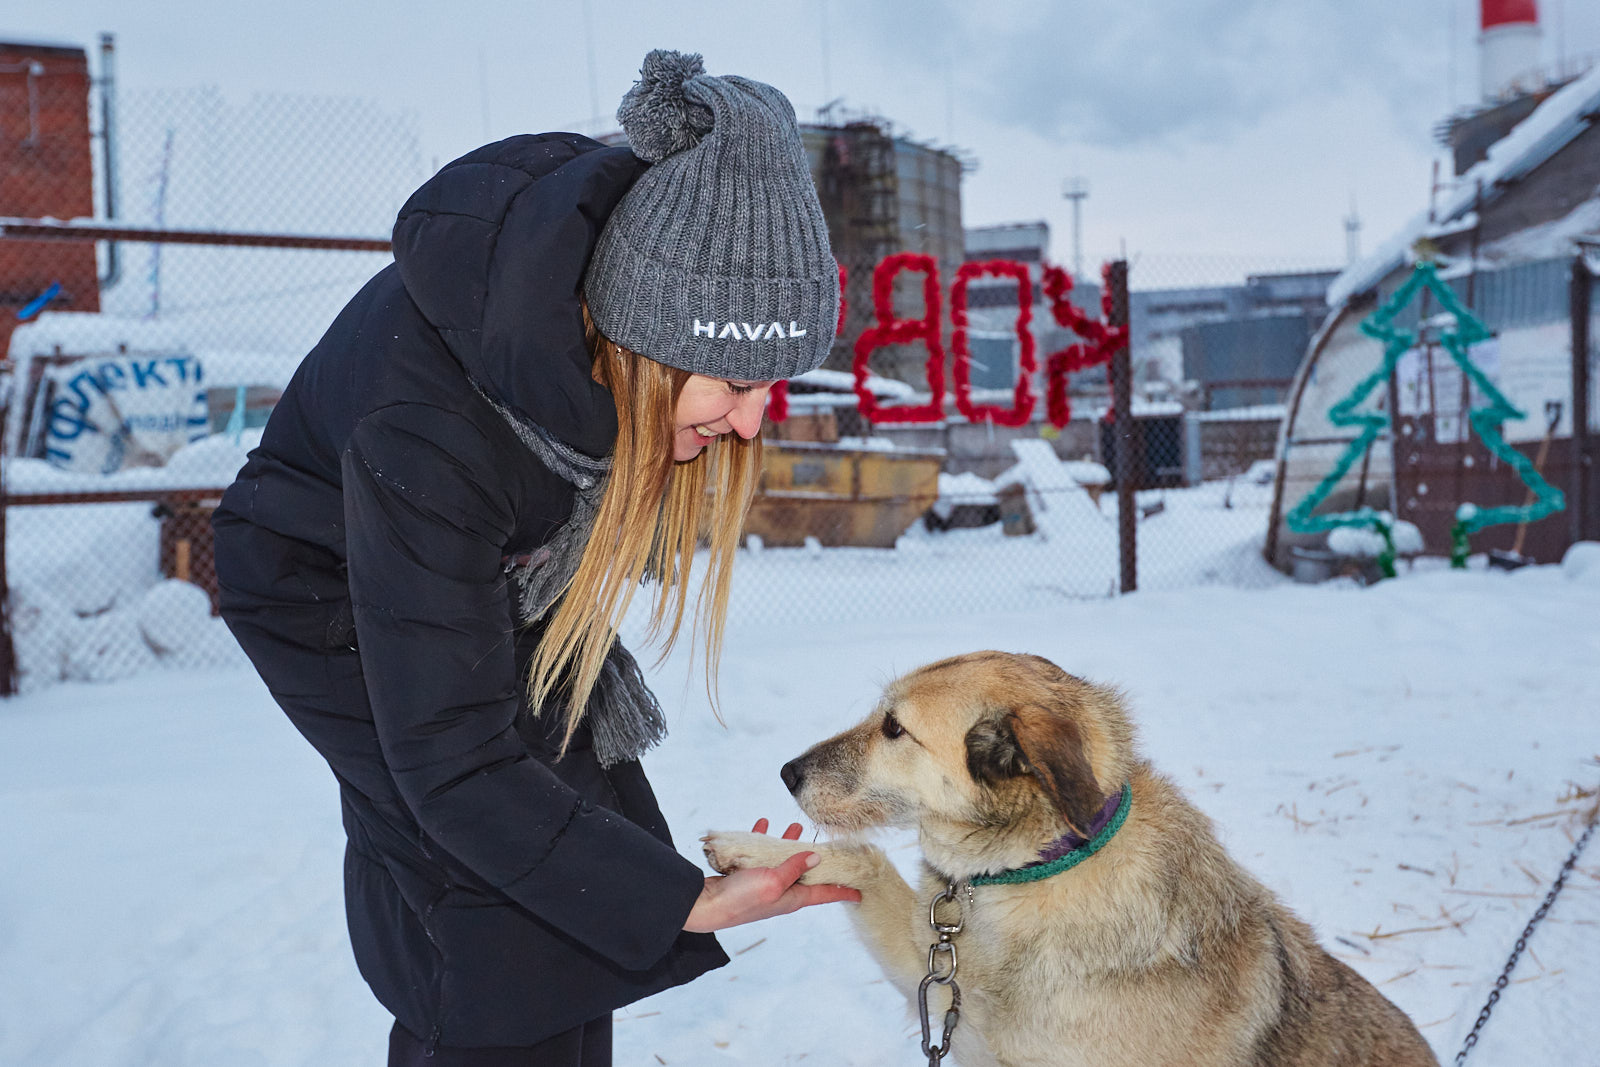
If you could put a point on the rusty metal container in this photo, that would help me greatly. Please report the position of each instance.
(841, 496)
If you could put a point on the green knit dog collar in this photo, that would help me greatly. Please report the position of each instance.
(1035, 872)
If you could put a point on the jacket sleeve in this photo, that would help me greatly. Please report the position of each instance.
(426, 522)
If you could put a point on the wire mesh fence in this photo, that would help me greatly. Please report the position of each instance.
(1014, 511)
(139, 369)
(987, 449)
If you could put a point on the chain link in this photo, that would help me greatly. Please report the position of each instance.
(944, 946)
(1522, 942)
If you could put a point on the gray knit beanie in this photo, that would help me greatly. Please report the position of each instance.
(717, 259)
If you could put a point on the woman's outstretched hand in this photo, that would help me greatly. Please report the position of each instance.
(756, 893)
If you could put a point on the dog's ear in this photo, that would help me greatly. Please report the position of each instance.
(993, 754)
(1052, 746)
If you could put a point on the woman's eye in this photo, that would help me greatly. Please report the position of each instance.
(892, 728)
(740, 390)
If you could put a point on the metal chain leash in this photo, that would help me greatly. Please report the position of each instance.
(1522, 942)
(944, 946)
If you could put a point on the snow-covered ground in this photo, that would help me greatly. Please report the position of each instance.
(1402, 763)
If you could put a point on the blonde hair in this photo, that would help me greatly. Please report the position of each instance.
(653, 515)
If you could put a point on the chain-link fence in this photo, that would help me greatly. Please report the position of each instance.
(1018, 511)
(140, 367)
(994, 466)
(1216, 342)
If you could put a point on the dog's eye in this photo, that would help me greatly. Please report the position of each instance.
(892, 728)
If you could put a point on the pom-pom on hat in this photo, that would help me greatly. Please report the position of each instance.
(717, 260)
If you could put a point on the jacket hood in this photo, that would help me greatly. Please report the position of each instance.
(492, 249)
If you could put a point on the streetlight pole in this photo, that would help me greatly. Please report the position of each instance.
(1077, 191)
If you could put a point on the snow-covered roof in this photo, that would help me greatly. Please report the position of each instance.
(838, 381)
(1551, 127)
(1548, 240)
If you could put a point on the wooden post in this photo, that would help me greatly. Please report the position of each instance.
(180, 562)
(1579, 502)
(1122, 431)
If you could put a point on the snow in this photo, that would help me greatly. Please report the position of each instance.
(1591, 253)
(1141, 409)
(1363, 543)
(1400, 763)
(839, 381)
(77, 333)
(967, 489)
(869, 444)
(169, 612)
(1581, 563)
(1062, 511)
(209, 463)
(88, 598)
(109, 647)
(1249, 413)
(1261, 472)
(1548, 240)
(1551, 126)
(87, 556)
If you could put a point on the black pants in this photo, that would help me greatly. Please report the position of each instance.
(588, 1045)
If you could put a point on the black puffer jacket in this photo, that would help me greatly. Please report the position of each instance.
(495, 897)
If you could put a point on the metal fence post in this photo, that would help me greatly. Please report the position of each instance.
(8, 651)
(1122, 431)
(1582, 287)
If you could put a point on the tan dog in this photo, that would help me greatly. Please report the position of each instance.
(1152, 947)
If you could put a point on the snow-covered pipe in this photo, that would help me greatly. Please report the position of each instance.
(1508, 48)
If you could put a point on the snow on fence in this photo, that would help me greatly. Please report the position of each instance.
(110, 575)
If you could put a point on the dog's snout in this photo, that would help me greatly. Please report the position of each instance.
(792, 775)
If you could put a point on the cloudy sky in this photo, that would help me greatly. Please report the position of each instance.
(1204, 128)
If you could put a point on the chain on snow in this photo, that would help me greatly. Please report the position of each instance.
(1522, 942)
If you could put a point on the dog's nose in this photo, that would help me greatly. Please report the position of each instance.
(791, 775)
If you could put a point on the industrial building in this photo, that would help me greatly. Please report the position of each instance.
(882, 193)
(1509, 234)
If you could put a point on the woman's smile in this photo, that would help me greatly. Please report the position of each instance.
(710, 407)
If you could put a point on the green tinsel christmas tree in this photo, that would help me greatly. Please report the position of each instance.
(1486, 422)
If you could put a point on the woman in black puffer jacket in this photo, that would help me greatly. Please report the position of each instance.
(549, 395)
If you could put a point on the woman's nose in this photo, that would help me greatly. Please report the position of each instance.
(745, 418)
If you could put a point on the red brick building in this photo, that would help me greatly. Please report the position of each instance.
(46, 169)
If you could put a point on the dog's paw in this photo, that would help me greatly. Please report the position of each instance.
(729, 850)
(838, 862)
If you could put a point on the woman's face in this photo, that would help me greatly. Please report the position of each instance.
(710, 407)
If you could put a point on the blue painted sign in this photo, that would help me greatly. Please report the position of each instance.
(118, 412)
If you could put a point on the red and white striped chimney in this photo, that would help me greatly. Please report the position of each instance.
(1508, 49)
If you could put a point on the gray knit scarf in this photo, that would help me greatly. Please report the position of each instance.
(623, 714)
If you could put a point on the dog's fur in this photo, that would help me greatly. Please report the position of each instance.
(1158, 950)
